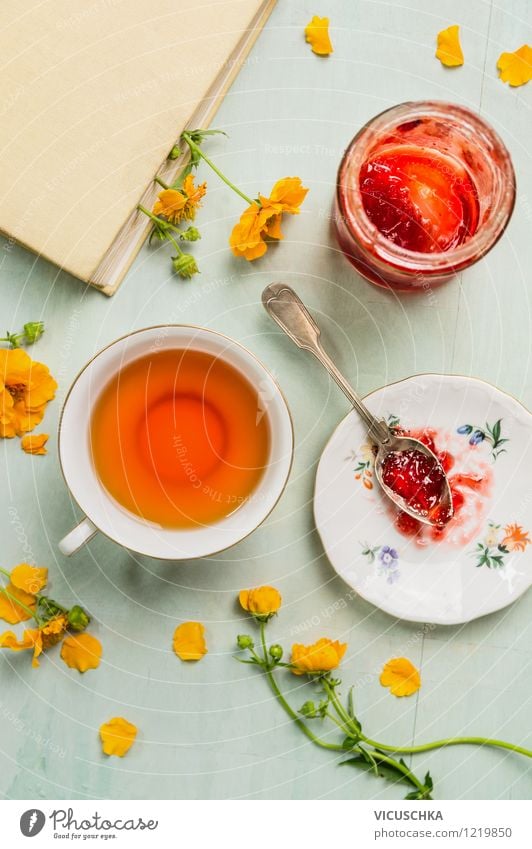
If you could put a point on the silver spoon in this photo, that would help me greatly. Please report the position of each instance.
(292, 316)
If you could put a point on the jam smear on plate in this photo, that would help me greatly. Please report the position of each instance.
(419, 198)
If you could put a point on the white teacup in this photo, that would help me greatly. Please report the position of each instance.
(103, 513)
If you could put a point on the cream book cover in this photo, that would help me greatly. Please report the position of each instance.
(94, 96)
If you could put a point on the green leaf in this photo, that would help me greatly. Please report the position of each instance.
(496, 430)
(373, 762)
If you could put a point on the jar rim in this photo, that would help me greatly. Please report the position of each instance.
(363, 229)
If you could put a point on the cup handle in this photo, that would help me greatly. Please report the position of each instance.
(77, 537)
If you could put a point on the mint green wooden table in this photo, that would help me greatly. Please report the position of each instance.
(212, 730)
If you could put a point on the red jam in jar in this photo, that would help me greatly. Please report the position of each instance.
(424, 190)
(420, 200)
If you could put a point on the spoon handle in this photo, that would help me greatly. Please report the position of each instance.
(292, 316)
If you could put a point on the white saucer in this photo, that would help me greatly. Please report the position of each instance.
(485, 560)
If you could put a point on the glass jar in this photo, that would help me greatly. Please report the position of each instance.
(463, 151)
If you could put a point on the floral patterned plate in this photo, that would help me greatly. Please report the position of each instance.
(482, 561)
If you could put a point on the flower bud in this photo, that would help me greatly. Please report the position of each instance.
(191, 234)
(308, 709)
(175, 152)
(185, 265)
(33, 330)
(78, 619)
(244, 641)
(276, 652)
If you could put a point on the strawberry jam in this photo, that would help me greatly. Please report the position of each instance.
(419, 198)
(420, 480)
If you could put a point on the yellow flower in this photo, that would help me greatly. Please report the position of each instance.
(30, 579)
(176, 205)
(117, 736)
(448, 49)
(189, 641)
(12, 612)
(263, 220)
(317, 35)
(322, 656)
(401, 676)
(81, 652)
(34, 444)
(261, 602)
(25, 389)
(37, 639)
(516, 68)
(516, 538)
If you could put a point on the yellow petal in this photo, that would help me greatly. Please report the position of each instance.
(81, 652)
(31, 579)
(189, 641)
(448, 49)
(317, 35)
(34, 444)
(322, 656)
(516, 68)
(117, 736)
(401, 676)
(290, 193)
(12, 612)
(31, 639)
(261, 601)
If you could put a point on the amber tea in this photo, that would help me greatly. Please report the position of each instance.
(179, 438)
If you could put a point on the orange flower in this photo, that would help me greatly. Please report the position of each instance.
(34, 444)
(194, 195)
(37, 639)
(516, 68)
(317, 35)
(81, 652)
(448, 49)
(25, 389)
(263, 220)
(189, 641)
(401, 676)
(516, 538)
(176, 205)
(30, 579)
(117, 736)
(261, 602)
(12, 612)
(323, 656)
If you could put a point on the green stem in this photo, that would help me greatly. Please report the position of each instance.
(4, 571)
(340, 725)
(450, 741)
(197, 149)
(161, 182)
(286, 707)
(340, 710)
(173, 241)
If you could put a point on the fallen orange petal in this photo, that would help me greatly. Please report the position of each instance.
(34, 444)
(189, 641)
(448, 49)
(317, 35)
(117, 736)
(516, 68)
(81, 652)
(401, 676)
